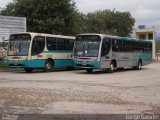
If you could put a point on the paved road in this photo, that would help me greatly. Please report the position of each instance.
(60, 91)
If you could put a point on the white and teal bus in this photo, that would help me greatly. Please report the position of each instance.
(99, 51)
(39, 51)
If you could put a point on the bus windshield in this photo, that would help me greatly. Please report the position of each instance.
(87, 46)
(19, 45)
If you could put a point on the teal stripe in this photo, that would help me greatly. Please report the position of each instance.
(63, 63)
(27, 63)
(41, 63)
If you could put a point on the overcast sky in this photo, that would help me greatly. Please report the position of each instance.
(146, 12)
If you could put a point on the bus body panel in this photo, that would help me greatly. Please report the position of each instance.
(105, 61)
(37, 63)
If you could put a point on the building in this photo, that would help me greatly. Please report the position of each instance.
(10, 25)
(146, 33)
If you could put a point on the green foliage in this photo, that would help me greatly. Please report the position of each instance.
(110, 22)
(46, 16)
(62, 17)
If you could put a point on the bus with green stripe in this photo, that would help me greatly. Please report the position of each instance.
(40, 51)
(107, 52)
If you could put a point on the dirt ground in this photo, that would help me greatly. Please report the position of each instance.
(76, 92)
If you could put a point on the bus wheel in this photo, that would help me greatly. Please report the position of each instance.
(112, 67)
(48, 66)
(89, 70)
(28, 70)
(139, 66)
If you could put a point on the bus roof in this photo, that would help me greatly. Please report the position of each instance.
(116, 37)
(44, 34)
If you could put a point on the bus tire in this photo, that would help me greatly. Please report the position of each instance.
(139, 65)
(28, 70)
(89, 70)
(112, 67)
(48, 66)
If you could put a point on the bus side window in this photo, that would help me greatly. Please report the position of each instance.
(115, 46)
(61, 44)
(121, 45)
(51, 43)
(69, 44)
(38, 45)
(105, 47)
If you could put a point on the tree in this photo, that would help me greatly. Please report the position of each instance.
(110, 22)
(81, 26)
(47, 16)
(62, 17)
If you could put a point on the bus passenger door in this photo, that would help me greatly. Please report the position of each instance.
(37, 56)
(105, 50)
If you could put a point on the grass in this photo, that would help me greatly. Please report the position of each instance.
(5, 68)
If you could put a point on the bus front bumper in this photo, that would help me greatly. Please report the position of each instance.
(87, 65)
